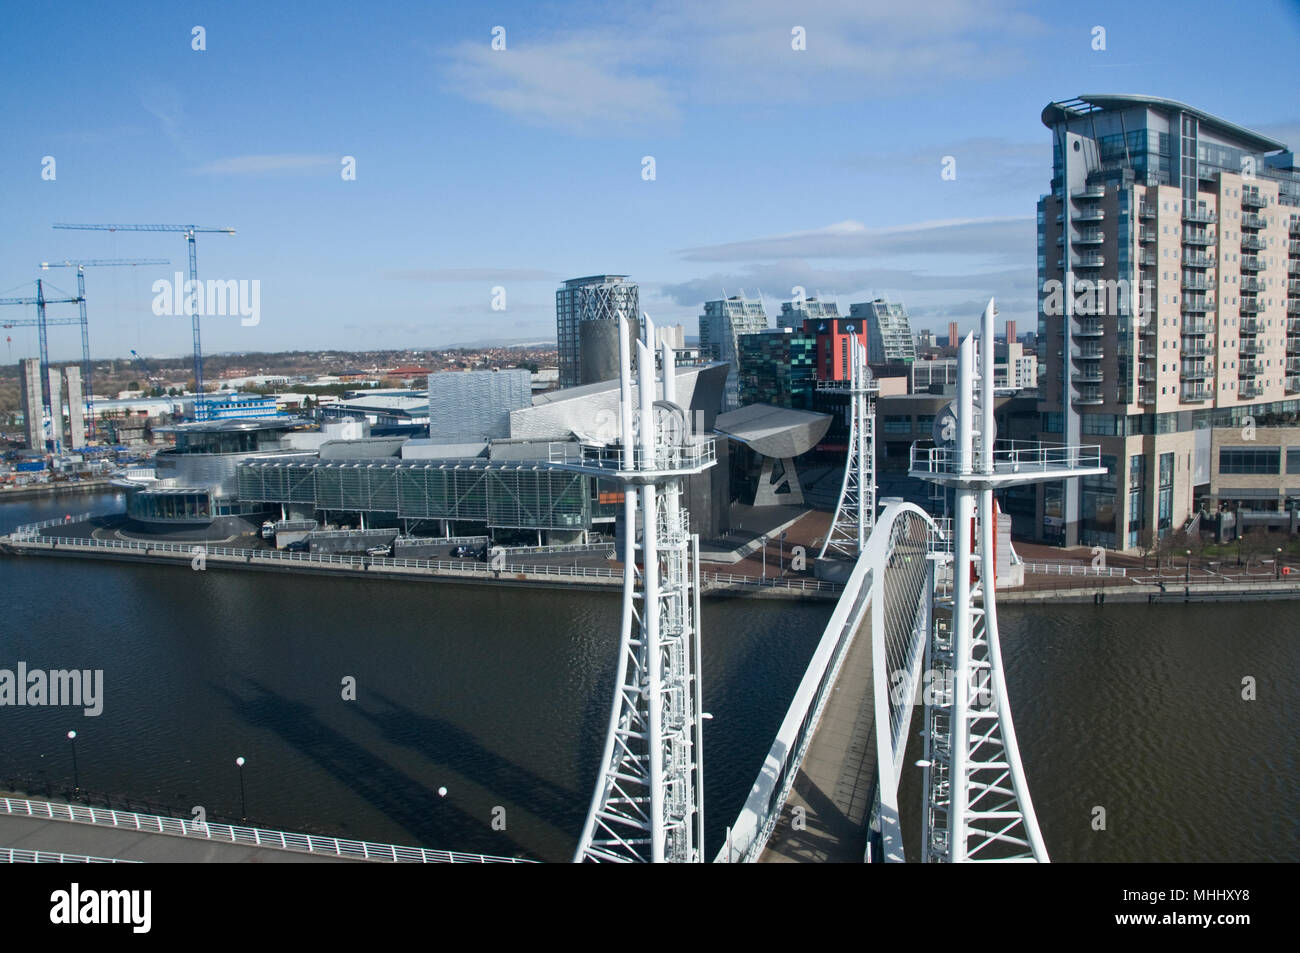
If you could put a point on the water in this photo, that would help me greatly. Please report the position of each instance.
(1138, 710)
(502, 696)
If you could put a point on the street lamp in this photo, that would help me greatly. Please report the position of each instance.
(76, 781)
(243, 806)
(763, 540)
(1188, 578)
(1277, 564)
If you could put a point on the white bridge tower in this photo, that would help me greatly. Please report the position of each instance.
(855, 513)
(648, 800)
(977, 803)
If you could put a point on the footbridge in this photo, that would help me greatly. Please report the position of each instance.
(828, 788)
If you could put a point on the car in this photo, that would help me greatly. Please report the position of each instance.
(298, 546)
(379, 551)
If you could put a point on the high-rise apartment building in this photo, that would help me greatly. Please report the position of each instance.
(76, 419)
(594, 298)
(1168, 264)
(795, 313)
(721, 325)
(889, 332)
(953, 340)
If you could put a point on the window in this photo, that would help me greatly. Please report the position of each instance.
(1293, 459)
(897, 424)
(1246, 460)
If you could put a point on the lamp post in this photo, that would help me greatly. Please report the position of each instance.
(76, 780)
(763, 540)
(243, 806)
(1277, 564)
(1188, 578)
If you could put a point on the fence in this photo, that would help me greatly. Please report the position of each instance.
(454, 566)
(249, 836)
(1074, 569)
(11, 855)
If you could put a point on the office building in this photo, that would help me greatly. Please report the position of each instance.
(1168, 255)
(953, 339)
(889, 332)
(779, 367)
(594, 298)
(721, 325)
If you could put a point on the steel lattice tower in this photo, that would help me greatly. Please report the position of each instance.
(977, 800)
(855, 513)
(648, 801)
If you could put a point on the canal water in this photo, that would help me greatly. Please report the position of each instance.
(501, 696)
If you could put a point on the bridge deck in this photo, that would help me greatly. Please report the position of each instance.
(67, 837)
(836, 782)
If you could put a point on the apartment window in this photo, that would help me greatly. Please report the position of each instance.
(1248, 460)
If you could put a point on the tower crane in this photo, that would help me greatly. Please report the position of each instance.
(200, 408)
(42, 324)
(81, 265)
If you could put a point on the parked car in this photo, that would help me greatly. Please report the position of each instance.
(298, 546)
(379, 551)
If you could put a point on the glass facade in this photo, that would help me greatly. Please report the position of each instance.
(1248, 460)
(778, 368)
(521, 498)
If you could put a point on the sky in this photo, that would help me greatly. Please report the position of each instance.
(482, 170)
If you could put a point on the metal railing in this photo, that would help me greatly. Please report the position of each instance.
(29, 528)
(1009, 456)
(1074, 569)
(453, 566)
(690, 454)
(250, 836)
(12, 855)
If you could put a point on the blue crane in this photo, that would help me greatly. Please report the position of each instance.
(81, 265)
(42, 323)
(200, 407)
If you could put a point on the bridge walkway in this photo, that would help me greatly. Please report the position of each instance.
(836, 783)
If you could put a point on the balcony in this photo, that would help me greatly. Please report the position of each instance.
(1197, 236)
(1251, 347)
(1247, 391)
(1251, 284)
(1196, 370)
(1090, 352)
(1090, 395)
(1146, 373)
(1197, 304)
(1196, 347)
(1147, 259)
(1293, 307)
(1252, 199)
(1198, 213)
(1293, 365)
(1293, 326)
(1089, 261)
(1249, 368)
(1089, 193)
(1250, 263)
(1292, 385)
(1146, 211)
(1251, 243)
(1089, 328)
(1293, 266)
(1146, 395)
(1253, 220)
(1293, 248)
(1293, 287)
(1196, 283)
(1195, 392)
(1088, 215)
(1251, 326)
(1196, 259)
(1295, 226)
(1249, 306)
(1146, 235)
(1092, 236)
(1197, 326)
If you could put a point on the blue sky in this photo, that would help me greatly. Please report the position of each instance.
(478, 168)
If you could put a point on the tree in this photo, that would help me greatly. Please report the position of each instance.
(1147, 544)
(134, 385)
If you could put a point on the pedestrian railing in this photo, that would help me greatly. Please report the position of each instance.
(12, 855)
(468, 567)
(1074, 569)
(250, 836)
